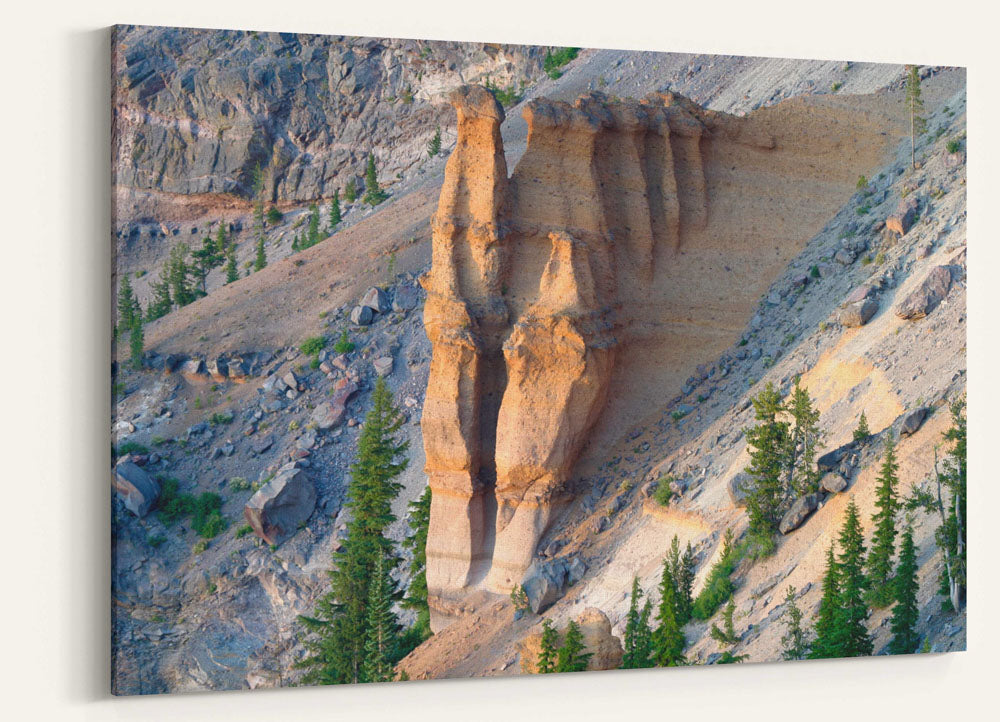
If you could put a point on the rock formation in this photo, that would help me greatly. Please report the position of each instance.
(276, 510)
(630, 243)
(604, 648)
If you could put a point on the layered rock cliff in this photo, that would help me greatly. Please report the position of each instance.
(629, 244)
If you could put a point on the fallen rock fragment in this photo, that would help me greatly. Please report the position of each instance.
(926, 297)
(859, 313)
(328, 414)
(833, 483)
(375, 299)
(276, 509)
(383, 365)
(800, 511)
(902, 218)
(912, 421)
(136, 488)
(361, 315)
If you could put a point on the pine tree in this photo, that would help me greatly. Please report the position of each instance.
(880, 589)
(769, 441)
(221, 241)
(685, 586)
(260, 256)
(382, 627)
(861, 433)
(350, 191)
(852, 638)
(948, 501)
(232, 272)
(803, 443)
(637, 633)
(571, 656)
(825, 644)
(794, 644)
(905, 613)
(416, 542)
(205, 259)
(161, 303)
(128, 304)
(334, 211)
(136, 339)
(180, 275)
(547, 651)
(312, 237)
(373, 193)
(668, 638)
(338, 628)
(434, 147)
(914, 106)
(727, 635)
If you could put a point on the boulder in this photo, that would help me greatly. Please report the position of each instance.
(137, 489)
(218, 369)
(862, 292)
(926, 297)
(291, 381)
(277, 509)
(902, 218)
(830, 461)
(833, 483)
(858, 313)
(328, 414)
(383, 365)
(361, 315)
(405, 299)
(737, 487)
(912, 421)
(193, 370)
(801, 509)
(604, 648)
(542, 592)
(375, 299)
(262, 444)
(546, 582)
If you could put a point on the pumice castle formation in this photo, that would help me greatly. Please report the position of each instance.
(613, 238)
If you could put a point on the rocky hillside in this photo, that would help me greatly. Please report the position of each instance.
(229, 405)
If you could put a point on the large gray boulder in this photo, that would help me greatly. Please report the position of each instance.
(376, 299)
(328, 414)
(857, 314)
(136, 488)
(405, 299)
(277, 509)
(926, 297)
(912, 421)
(833, 483)
(800, 511)
(547, 582)
(902, 219)
(361, 315)
(830, 461)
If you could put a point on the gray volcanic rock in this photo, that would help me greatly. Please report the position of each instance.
(197, 110)
(276, 510)
(137, 489)
(926, 297)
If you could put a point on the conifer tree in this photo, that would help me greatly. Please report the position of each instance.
(128, 304)
(769, 441)
(334, 211)
(434, 147)
(637, 632)
(260, 256)
(825, 644)
(205, 259)
(136, 339)
(416, 542)
(161, 303)
(221, 241)
(571, 656)
(312, 237)
(373, 193)
(338, 628)
(915, 107)
(180, 275)
(852, 638)
(794, 643)
(905, 613)
(668, 638)
(803, 443)
(880, 589)
(727, 634)
(685, 586)
(861, 433)
(350, 191)
(382, 627)
(232, 271)
(547, 651)
(948, 501)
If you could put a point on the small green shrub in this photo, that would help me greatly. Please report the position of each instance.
(954, 145)
(130, 447)
(663, 494)
(200, 546)
(243, 531)
(312, 345)
(221, 417)
(718, 585)
(554, 61)
(343, 344)
(836, 86)
(814, 271)
(156, 541)
(273, 216)
(862, 183)
(238, 483)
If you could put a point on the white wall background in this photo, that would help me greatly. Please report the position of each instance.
(55, 262)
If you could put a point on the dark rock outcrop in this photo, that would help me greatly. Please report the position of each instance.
(276, 509)
(137, 489)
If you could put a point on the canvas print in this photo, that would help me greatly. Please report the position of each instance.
(460, 359)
